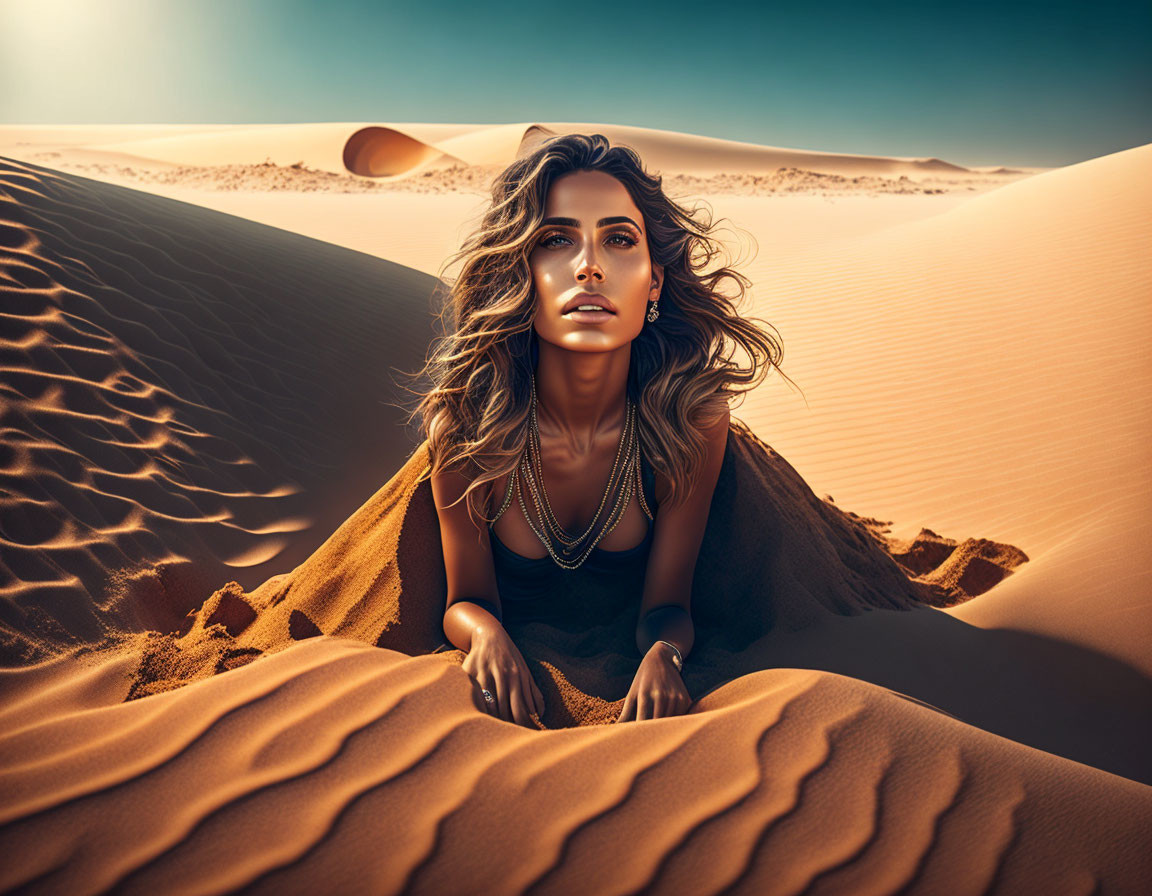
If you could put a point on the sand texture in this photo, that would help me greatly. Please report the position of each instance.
(221, 583)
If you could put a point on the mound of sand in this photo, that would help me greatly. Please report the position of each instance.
(337, 766)
(189, 397)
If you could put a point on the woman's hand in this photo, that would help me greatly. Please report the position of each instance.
(657, 690)
(497, 664)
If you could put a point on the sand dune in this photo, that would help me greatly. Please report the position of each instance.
(196, 419)
(371, 770)
(987, 366)
(398, 151)
(396, 148)
(168, 427)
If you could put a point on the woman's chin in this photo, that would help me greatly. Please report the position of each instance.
(591, 338)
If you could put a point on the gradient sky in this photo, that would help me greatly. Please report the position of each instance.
(1025, 83)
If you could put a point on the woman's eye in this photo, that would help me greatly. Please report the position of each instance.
(625, 239)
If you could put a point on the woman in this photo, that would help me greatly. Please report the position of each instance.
(579, 412)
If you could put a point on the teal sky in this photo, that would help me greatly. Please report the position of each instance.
(1024, 83)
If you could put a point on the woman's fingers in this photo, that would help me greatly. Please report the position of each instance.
(504, 698)
(514, 700)
(485, 682)
(520, 708)
(528, 698)
(533, 699)
(643, 705)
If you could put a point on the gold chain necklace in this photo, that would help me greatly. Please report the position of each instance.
(626, 477)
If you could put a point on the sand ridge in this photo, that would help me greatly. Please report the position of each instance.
(341, 157)
(304, 761)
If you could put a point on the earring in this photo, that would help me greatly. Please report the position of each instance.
(653, 312)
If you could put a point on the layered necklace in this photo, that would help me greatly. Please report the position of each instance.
(568, 550)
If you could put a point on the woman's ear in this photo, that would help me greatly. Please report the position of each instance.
(657, 281)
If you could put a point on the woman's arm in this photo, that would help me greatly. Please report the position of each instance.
(665, 608)
(670, 623)
(465, 617)
(472, 619)
(658, 689)
(473, 601)
(665, 614)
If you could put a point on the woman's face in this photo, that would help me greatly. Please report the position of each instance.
(592, 241)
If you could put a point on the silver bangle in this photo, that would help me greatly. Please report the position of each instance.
(679, 661)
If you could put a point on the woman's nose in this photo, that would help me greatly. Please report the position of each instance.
(587, 267)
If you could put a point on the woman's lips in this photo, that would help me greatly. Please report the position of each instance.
(588, 298)
(590, 317)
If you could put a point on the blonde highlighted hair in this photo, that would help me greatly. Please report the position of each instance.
(474, 410)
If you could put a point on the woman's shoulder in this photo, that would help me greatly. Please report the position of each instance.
(715, 432)
(453, 474)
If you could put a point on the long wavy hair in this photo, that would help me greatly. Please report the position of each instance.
(475, 412)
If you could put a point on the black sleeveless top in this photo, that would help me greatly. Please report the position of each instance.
(535, 589)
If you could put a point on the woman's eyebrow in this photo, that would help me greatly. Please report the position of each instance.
(603, 222)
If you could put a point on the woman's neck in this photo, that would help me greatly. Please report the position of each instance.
(580, 394)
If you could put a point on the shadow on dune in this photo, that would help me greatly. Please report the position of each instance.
(1059, 697)
(177, 402)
